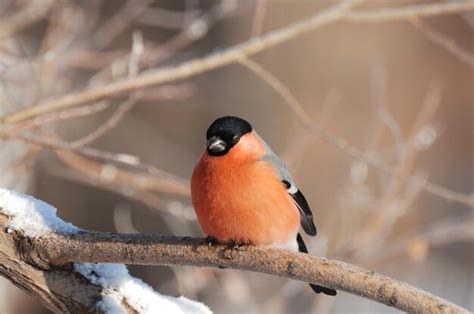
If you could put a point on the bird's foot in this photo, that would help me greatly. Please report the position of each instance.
(239, 247)
(210, 240)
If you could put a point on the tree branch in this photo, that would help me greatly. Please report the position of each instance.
(186, 69)
(36, 244)
(340, 11)
(87, 246)
(410, 11)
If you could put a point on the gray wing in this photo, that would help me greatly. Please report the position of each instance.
(307, 221)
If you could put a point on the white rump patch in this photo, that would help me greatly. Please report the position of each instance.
(291, 245)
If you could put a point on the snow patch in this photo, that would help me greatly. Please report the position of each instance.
(34, 217)
(31, 216)
(119, 285)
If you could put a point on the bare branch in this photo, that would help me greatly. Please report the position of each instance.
(30, 13)
(65, 289)
(443, 41)
(280, 88)
(251, 47)
(119, 22)
(107, 173)
(109, 124)
(186, 69)
(410, 11)
(260, 11)
(141, 249)
(344, 146)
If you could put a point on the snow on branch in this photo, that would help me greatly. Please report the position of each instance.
(55, 245)
(106, 288)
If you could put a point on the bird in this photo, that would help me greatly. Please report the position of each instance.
(244, 194)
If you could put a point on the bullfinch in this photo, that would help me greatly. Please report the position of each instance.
(243, 193)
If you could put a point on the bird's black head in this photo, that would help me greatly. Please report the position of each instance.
(224, 133)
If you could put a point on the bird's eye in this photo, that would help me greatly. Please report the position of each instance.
(235, 139)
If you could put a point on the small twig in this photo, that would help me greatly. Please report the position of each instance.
(280, 88)
(109, 124)
(443, 41)
(440, 233)
(260, 11)
(125, 160)
(150, 200)
(379, 99)
(344, 146)
(159, 17)
(55, 117)
(251, 47)
(387, 210)
(118, 22)
(186, 69)
(108, 173)
(410, 11)
(31, 12)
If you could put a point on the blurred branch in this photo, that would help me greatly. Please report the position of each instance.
(88, 246)
(280, 88)
(388, 210)
(108, 173)
(260, 11)
(417, 246)
(186, 69)
(443, 41)
(109, 124)
(306, 121)
(195, 26)
(55, 117)
(410, 11)
(113, 27)
(253, 46)
(146, 180)
(159, 17)
(31, 12)
(149, 199)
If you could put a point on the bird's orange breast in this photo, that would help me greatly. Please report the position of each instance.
(238, 198)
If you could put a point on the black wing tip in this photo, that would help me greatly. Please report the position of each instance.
(320, 289)
(307, 221)
(311, 230)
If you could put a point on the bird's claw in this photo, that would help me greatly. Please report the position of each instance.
(211, 240)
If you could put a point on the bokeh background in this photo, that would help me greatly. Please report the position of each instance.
(391, 114)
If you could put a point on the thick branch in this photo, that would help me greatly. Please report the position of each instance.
(166, 250)
(59, 290)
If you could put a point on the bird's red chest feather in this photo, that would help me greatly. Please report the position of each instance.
(239, 198)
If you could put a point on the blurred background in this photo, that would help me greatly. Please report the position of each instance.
(374, 119)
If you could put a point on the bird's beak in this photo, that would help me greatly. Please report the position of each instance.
(215, 145)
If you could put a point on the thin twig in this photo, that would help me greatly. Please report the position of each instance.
(113, 27)
(343, 145)
(251, 47)
(410, 11)
(260, 11)
(127, 161)
(186, 69)
(280, 88)
(443, 41)
(31, 12)
(56, 116)
(109, 124)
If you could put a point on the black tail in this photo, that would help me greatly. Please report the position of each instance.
(318, 289)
